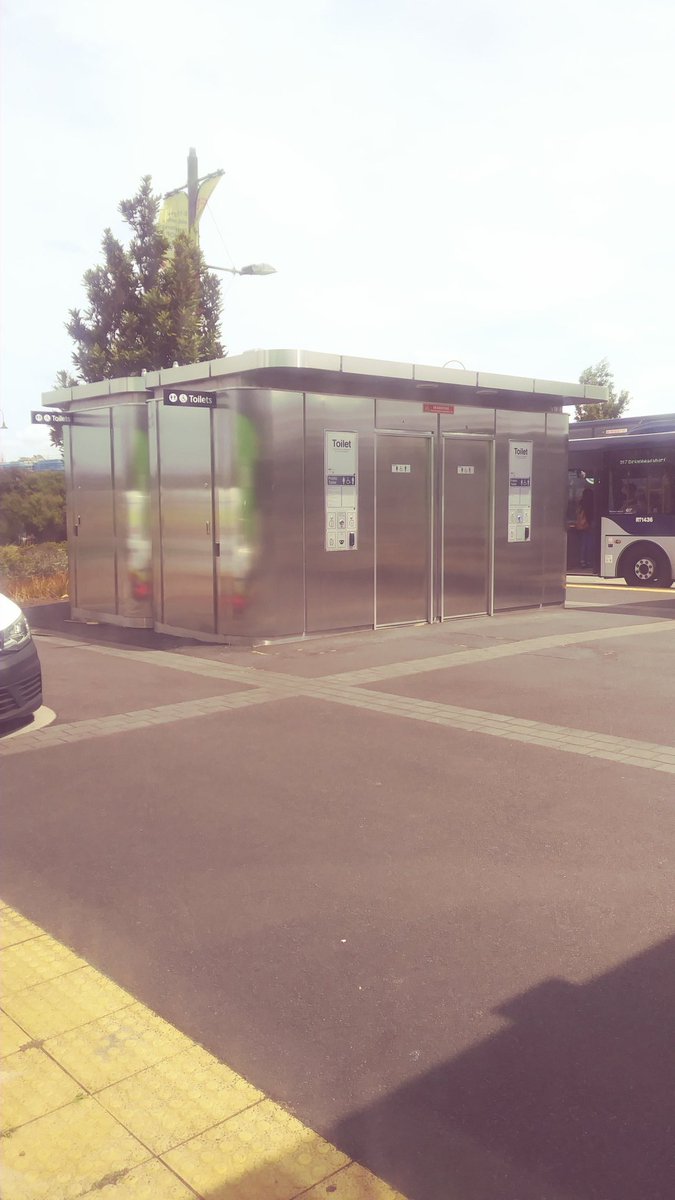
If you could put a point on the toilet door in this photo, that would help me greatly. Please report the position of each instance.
(466, 544)
(403, 525)
(186, 515)
(93, 522)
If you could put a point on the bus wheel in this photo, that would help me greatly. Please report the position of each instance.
(646, 566)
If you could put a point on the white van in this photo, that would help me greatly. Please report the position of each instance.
(20, 673)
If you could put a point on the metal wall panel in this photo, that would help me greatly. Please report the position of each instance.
(466, 526)
(555, 535)
(403, 524)
(93, 512)
(186, 504)
(519, 565)
(339, 586)
(132, 511)
(68, 456)
(468, 418)
(404, 414)
(155, 511)
(258, 494)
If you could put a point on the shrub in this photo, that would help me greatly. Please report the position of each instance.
(32, 504)
(34, 572)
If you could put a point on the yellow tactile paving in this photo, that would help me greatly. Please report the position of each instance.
(152, 1181)
(63, 1155)
(12, 1038)
(261, 1152)
(180, 1097)
(105, 1051)
(33, 1085)
(34, 961)
(15, 928)
(133, 1109)
(47, 1009)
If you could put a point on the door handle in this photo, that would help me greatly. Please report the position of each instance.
(208, 526)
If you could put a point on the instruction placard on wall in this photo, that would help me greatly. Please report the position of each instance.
(341, 456)
(520, 491)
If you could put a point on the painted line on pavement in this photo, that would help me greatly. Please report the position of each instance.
(588, 604)
(101, 1094)
(618, 587)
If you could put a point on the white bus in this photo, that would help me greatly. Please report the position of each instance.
(622, 475)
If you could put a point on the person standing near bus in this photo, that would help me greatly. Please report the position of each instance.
(584, 523)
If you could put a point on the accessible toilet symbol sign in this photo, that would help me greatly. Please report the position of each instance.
(341, 489)
(520, 492)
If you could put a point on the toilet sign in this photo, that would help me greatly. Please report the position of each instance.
(181, 398)
(51, 418)
(520, 492)
(341, 456)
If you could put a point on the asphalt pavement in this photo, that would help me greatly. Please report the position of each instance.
(414, 885)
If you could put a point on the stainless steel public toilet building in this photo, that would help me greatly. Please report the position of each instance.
(283, 493)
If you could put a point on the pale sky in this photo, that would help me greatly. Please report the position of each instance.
(491, 181)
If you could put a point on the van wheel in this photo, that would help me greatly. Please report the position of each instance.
(646, 566)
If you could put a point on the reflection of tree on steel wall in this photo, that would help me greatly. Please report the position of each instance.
(139, 545)
(239, 517)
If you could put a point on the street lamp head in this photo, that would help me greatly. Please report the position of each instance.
(251, 269)
(258, 269)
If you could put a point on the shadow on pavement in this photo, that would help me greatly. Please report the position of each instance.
(663, 607)
(9, 727)
(575, 1099)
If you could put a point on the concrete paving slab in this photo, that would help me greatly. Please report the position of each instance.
(317, 656)
(80, 684)
(339, 904)
(449, 952)
(590, 686)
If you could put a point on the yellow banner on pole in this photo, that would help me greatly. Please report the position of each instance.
(206, 190)
(173, 216)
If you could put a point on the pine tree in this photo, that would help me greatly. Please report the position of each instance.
(149, 304)
(602, 410)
